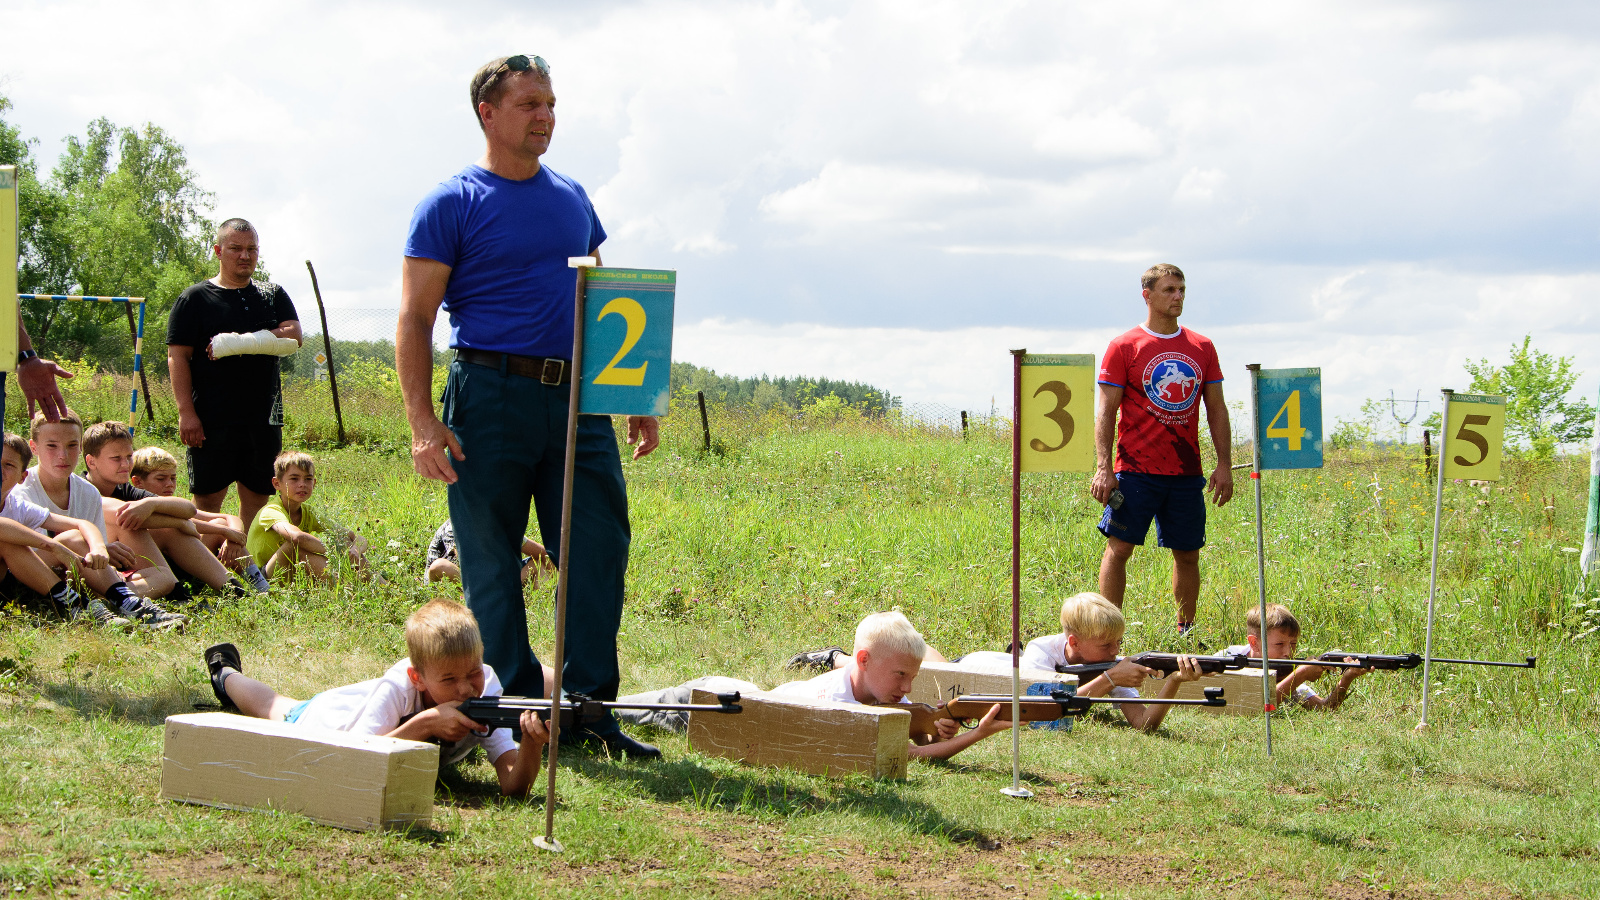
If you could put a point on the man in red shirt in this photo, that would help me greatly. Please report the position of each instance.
(1156, 375)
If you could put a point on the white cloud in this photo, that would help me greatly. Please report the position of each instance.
(1484, 100)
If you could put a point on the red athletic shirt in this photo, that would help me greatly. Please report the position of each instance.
(1162, 378)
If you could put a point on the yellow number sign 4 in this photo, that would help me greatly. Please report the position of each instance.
(1291, 430)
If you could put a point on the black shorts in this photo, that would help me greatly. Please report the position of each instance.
(235, 451)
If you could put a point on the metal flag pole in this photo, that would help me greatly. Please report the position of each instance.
(1433, 569)
(1016, 789)
(1268, 687)
(548, 840)
(1591, 528)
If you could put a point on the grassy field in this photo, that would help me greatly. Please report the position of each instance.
(780, 540)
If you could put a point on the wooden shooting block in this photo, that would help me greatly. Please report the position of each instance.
(360, 782)
(1241, 688)
(939, 682)
(817, 737)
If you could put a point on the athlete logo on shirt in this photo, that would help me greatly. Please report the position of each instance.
(1172, 382)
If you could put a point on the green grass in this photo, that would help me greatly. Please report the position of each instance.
(779, 540)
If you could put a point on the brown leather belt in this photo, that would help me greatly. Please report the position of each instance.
(548, 369)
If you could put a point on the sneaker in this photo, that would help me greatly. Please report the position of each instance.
(218, 658)
(95, 612)
(153, 617)
(611, 742)
(257, 578)
(819, 660)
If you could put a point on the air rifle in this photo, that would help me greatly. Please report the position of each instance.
(506, 712)
(1033, 708)
(1167, 663)
(1394, 661)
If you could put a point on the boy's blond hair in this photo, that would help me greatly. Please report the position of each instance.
(1091, 617)
(293, 459)
(442, 631)
(98, 435)
(19, 446)
(889, 632)
(39, 421)
(147, 460)
(1278, 619)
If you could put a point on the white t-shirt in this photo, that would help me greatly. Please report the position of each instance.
(377, 707)
(83, 501)
(833, 685)
(1043, 653)
(1302, 692)
(28, 513)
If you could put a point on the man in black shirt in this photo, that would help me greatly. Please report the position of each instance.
(230, 410)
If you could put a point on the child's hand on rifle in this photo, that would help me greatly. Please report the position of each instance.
(1188, 670)
(1350, 675)
(1128, 674)
(448, 723)
(991, 723)
(534, 731)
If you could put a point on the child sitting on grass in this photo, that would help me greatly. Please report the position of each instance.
(52, 485)
(283, 535)
(21, 545)
(888, 654)
(418, 699)
(1283, 640)
(441, 563)
(156, 471)
(157, 529)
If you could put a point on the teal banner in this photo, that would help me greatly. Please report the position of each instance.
(627, 341)
(1289, 418)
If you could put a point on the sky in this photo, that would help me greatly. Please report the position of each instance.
(901, 192)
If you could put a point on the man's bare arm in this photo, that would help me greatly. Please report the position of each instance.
(190, 430)
(1220, 484)
(1105, 437)
(289, 328)
(37, 378)
(433, 446)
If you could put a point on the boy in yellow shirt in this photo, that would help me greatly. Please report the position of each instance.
(283, 535)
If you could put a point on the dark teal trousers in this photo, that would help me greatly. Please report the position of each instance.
(513, 431)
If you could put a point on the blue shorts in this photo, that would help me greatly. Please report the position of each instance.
(294, 713)
(1176, 502)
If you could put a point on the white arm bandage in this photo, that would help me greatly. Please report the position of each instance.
(263, 342)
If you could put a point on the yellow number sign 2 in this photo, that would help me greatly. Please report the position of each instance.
(1474, 438)
(632, 314)
(1058, 412)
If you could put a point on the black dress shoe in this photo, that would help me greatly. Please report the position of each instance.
(614, 741)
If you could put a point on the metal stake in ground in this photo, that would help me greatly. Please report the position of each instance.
(548, 840)
(327, 347)
(1268, 688)
(1016, 789)
(1591, 528)
(1433, 567)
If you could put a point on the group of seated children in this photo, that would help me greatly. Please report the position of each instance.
(124, 531)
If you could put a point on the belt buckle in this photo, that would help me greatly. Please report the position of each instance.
(552, 371)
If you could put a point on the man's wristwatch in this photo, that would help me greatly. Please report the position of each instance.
(25, 355)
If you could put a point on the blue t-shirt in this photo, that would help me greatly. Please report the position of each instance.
(507, 244)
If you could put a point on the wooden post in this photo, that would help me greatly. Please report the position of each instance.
(963, 424)
(1427, 453)
(705, 426)
(327, 347)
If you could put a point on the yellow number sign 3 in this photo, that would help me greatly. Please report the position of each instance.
(1058, 415)
(632, 314)
(1057, 397)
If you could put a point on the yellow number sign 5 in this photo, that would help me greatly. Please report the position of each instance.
(1291, 430)
(632, 314)
(1474, 437)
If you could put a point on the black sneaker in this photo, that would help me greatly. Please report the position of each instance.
(219, 657)
(92, 610)
(612, 741)
(817, 660)
(148, 615)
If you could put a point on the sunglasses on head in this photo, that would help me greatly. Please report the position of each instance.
(522, 62)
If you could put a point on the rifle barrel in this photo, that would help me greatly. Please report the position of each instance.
(1532, 662)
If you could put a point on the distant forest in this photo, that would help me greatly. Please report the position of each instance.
(766, 391)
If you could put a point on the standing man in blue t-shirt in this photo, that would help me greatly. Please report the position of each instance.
(491, 245)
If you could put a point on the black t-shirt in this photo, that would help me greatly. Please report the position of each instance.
(127, 493)
(243, 388)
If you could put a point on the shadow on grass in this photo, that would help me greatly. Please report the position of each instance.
(93, 701)
(753, 791)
